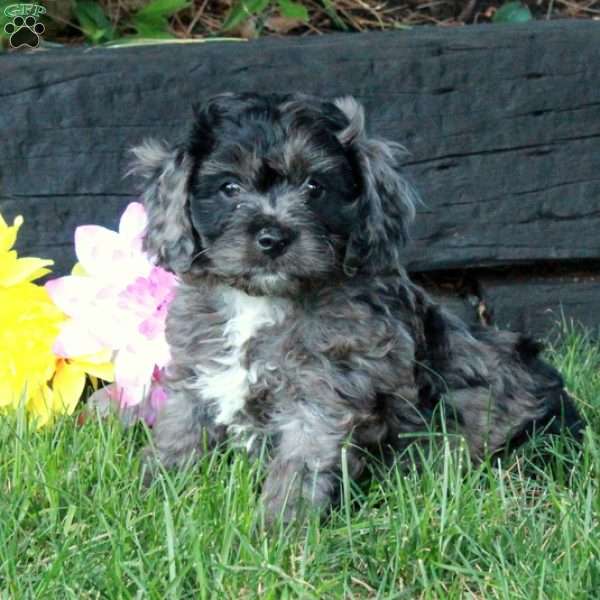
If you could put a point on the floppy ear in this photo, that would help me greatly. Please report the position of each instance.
(386, 204)
(169, 235)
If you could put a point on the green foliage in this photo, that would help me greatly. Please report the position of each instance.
(332, 13)
(93, 22)
(512, 12)
(76, 523)
(244, 9)
(151, 21)
(293, 10)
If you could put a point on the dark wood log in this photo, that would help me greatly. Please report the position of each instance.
(503, 124)
(544, 305)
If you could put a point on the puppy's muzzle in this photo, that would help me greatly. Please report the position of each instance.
(273, 241)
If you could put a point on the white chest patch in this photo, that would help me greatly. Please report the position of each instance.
(225, 380)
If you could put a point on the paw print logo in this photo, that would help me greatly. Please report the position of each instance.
(24, 32)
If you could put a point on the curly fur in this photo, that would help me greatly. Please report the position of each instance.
(328, 340)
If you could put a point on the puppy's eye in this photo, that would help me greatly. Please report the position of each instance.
(231, 189)
(315, 189)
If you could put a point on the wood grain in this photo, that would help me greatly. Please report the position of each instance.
(502, 124)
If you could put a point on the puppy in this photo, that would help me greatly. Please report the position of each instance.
(295, 324)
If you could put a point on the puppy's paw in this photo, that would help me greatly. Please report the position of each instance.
(291, 493)
(155, 459)
(283, 508)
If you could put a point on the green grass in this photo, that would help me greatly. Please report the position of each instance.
(75, 522)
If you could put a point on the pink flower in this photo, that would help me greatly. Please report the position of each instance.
(105, 399)
(117, 299)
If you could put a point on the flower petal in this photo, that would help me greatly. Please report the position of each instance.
(134, 366)
(158, 399)
(95, 247)
(96, 311)
(8, 235)
(39, 406)
(15, 270)
(162, 352)
(99, 250)
(97, 358)
(75, 339)
(74, 294)
(7, 393)
(78, 270)
(133, 223)
(68, 384)
(105, 371)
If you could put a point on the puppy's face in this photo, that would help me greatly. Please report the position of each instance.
(271, 193)
(274, 200)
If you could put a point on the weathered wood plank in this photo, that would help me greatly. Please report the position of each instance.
(49, 226)
(543, 304)
(503, 125)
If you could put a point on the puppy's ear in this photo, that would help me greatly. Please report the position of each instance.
(169, 236)
(386, 204)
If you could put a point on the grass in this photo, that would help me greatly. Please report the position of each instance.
(75, 522)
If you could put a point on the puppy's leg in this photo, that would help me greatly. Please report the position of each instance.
(183, 430)
(487, 419)
(303, 472)
(496, 386)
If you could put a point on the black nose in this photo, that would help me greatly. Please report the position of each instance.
(273, 240)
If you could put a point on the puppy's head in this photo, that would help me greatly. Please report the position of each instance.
(273, 192)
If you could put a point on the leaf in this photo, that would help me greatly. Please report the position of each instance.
(94, 23)
(332, 13)
(162, 8)
(293, 10)
(242, 10)
(512, 12)
(151, 21)
(151, 27)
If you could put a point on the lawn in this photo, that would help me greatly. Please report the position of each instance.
(76, 523)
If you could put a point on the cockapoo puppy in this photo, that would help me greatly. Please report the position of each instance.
(295, 324)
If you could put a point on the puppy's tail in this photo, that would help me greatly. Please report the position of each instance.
(558, 411)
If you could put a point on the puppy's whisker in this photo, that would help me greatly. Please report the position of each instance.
(199, 254)
(331, 248)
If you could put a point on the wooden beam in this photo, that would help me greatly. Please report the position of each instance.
(503, 126)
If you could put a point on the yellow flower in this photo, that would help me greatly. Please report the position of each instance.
(29, 323)
(15, 270)
(67, 386)
(30, 371)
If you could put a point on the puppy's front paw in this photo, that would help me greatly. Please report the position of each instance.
(283, 506)
(291, 491)
(153, 459)
(282, 492)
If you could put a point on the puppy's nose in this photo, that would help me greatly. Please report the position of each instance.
(273, 241)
